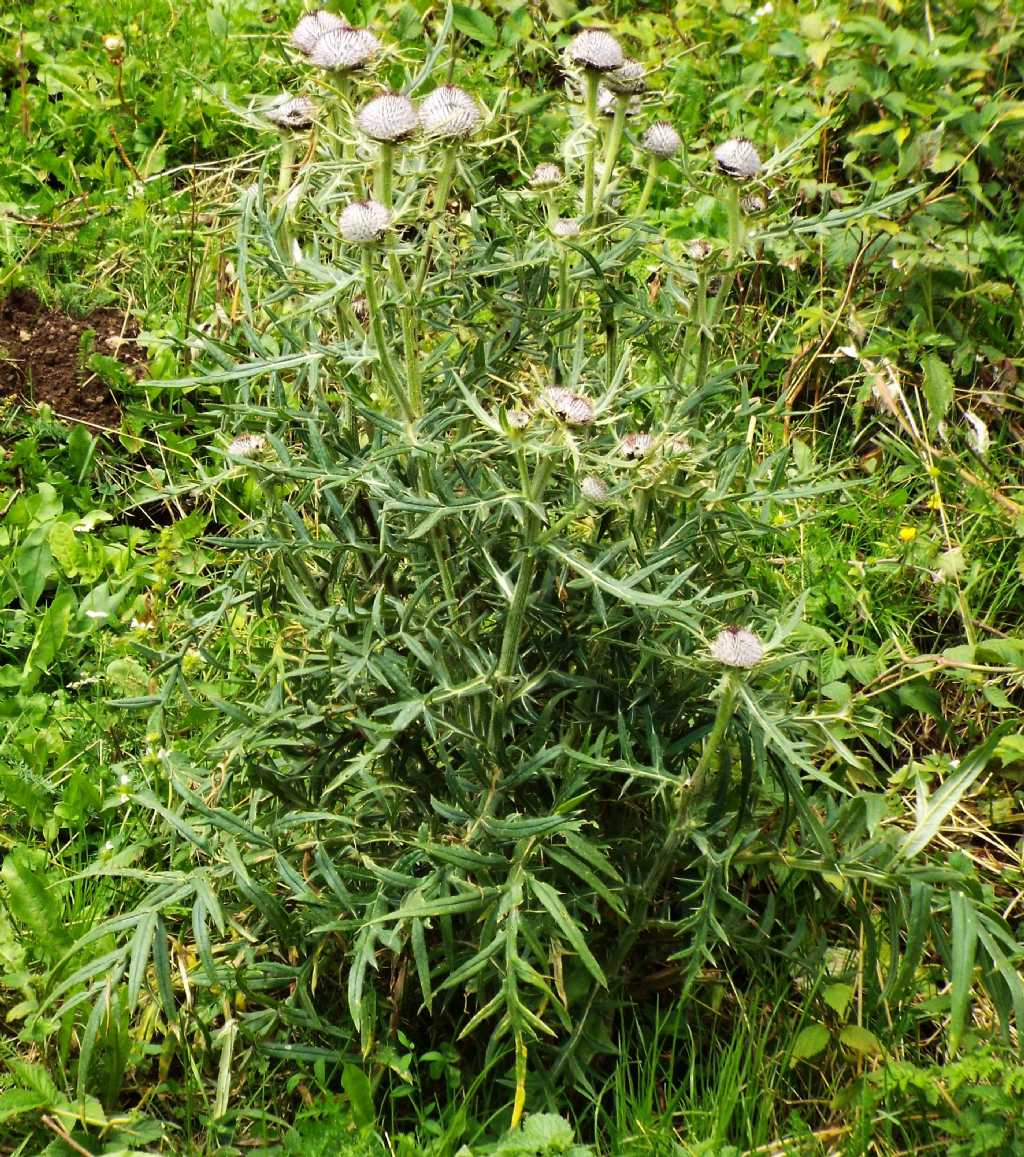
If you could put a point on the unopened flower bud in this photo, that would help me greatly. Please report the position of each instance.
(597, 51)
(662, 140)
(629, 77)
(738, 158)
(390, 117)
(737, 647)
(593, 489)
(313, 25)
(566, 227)
(363, 222)
(636, 445)
(449, 111)
(291, 112)
(344, 49)
(608, 101)
(546, 176)
(113, 46)
(246, 445)
(573, 409)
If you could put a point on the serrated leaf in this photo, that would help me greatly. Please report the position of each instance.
(838, 997)
(810, 1040)
(860, 1039)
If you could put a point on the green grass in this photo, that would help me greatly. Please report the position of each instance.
(182, 689)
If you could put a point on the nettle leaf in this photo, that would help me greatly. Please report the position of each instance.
(938, 387)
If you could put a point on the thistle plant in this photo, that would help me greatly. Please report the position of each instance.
(481, 760)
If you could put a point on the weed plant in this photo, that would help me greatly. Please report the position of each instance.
(526, 689)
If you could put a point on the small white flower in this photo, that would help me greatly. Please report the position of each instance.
(142, 625)
(977, 436)
(573, 409)
(546, 176)
(596, 50)
(344, 49)
(389, 117)
(636, 445)
(108, 846)
(291, 112)
(593, 488)
(125, 780)
(662, 140)
(246, 445)
(449, 111)
(313, 25)
(363, 222)
(629, 77)
(737, 647)
(566, 227)
(738, 158)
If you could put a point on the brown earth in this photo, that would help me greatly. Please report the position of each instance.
(41, 357)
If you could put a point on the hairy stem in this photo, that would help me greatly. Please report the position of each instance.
(613, 146)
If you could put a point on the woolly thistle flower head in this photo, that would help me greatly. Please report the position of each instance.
(546, 176)
(566, 227)
(450, 111)
(593, 488)
(737, 647)
(363, 222)
(662, 140)
(313, 25)
(246, 445)
(738, 158)
(607, 102)
(344, 49)
(698, 249)
(636, 445)
(629, 77)
(517, 419)
(597, 51)
(389, 117)
(291, 112)
(573, 409)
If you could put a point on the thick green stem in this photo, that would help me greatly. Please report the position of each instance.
(687, 793)
(441, 190)
(591, 81)
(614, 144)
(385, 171)
(284, 175)
(652, 177)
(380, 340)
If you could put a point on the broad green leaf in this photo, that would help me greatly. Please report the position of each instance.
(937, 384)
(360, 1094)
(810, 1040)
(475, 24)
(50, 634)
(838, 997)
(964, 942)
(860, 1039)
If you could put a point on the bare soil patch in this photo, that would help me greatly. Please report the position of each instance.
(43, 355)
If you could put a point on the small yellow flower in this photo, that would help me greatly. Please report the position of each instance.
(907, 533)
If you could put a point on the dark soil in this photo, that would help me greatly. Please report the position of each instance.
(42, 356)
